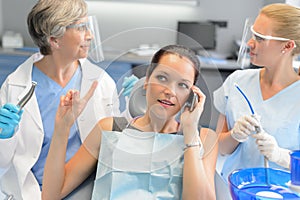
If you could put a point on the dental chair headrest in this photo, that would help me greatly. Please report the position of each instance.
(137, 99)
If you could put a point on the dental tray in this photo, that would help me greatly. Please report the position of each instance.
(261, 184)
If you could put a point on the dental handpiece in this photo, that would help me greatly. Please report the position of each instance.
(257, 128)
(27, 96)
(266, 162)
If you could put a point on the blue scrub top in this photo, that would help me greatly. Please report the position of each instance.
(280, 117)
(48, 94)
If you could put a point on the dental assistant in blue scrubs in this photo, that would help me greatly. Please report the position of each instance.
(274, 93)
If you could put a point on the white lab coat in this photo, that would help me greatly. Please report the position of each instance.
(20, 152)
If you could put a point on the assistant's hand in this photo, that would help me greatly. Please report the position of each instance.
(9, 120)
(128, 84)
(267, 145)
(243, 127)
(71, 106)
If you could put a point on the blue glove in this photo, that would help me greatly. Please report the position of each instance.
(9, 120)
(128, 84)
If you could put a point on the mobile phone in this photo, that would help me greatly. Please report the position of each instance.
(191, 101)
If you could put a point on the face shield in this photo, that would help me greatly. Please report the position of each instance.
(243, 56)
(95, 48)
(250, 34)
(95, 51)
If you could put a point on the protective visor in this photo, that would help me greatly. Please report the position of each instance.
(243, 56)
(90, 26)
(95, 51)
(250, 34)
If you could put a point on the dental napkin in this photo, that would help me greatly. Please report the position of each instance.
(139, 165)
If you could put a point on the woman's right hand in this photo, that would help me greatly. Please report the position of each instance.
(189, 120)
(243, 127)
(71, 106)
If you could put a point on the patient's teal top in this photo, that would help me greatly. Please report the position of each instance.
(280, 117)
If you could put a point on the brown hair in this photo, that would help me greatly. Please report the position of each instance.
(179, 50)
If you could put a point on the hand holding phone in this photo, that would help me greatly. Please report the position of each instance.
(191, 101)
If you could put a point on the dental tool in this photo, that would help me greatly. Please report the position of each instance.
(257, 128)
(249, 104)
(27, 96)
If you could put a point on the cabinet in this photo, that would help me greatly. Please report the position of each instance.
(9, 63)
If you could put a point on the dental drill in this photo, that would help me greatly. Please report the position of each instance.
(27, 96)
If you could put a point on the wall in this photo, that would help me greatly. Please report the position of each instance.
(129, 16)
(293, 2)
(117, 17)
(1, 18)
(14, 17)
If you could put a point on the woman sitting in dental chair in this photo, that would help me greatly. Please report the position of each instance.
(170, 79)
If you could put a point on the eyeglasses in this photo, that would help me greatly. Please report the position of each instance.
(259, 37)
(82, 27)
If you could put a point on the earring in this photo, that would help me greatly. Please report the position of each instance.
(283, 51)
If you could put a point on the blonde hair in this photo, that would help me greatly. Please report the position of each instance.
(286, 19)
(49, 18)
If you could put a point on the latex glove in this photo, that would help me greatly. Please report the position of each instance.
(128, 84)
(9, 120)
(244, 126)
(267, 145)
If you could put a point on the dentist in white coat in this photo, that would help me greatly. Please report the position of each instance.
(61, 31)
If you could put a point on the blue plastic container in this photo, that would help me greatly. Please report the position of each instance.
(295, 168)
(260, 184)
